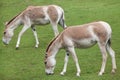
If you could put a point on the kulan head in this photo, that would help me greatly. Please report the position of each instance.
(7, 35)
(50, 63)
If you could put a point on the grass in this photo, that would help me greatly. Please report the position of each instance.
(27, 63)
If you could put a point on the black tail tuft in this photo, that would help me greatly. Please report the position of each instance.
(109, 42)
(62, 21)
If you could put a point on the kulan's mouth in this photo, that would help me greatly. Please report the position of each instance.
(49, 73)
(5, 43)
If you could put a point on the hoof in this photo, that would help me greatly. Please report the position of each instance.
(17, 48)
(62, 73)
(113, 71)
(100, 74)
(36, 46)
(78, 75)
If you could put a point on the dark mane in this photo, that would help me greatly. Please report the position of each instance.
(12, 19)
(51, 42)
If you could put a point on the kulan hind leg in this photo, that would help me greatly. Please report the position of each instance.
(104, 57)
(55, 29)
(112, 54)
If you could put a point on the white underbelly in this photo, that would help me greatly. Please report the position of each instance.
(85, 43)
(41, 21)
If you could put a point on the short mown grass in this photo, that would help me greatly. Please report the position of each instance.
(27, 63)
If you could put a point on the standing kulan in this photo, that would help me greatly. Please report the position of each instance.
(81, 36)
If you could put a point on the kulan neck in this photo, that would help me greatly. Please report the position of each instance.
(54, 48)
(14, 24)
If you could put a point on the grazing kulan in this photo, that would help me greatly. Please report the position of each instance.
(34, 15)
(81, 36)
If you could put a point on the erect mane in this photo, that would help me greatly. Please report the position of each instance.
(51, 42)
(12, 19)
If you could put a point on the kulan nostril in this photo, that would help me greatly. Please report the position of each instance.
(49, 73)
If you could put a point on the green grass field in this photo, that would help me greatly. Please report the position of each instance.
(27, 63)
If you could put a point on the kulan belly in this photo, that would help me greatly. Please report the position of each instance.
(85, 43)
(41, 21)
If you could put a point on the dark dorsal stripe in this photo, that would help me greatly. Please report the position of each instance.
(12, 19)
(51, 42)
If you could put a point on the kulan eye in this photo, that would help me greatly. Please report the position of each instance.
(45, 63)
(4, 33)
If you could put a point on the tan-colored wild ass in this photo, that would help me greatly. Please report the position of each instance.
(81, 36)
(34, 15)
